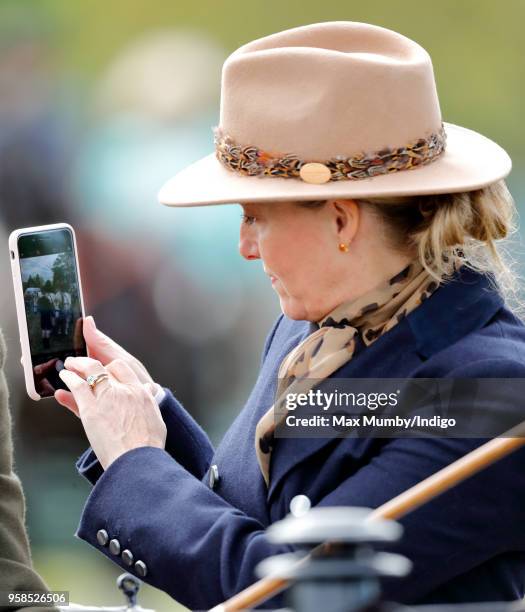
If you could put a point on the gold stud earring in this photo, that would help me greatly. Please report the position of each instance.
(343, 247)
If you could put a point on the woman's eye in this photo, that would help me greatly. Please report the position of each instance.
(247, 220)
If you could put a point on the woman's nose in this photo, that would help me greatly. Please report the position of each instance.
(248, 247)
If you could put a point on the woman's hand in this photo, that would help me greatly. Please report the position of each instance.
(119, 414)
(105, 350)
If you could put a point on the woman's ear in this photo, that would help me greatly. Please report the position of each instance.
(346, 216)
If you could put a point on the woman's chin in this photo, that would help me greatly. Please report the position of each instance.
(294, 310)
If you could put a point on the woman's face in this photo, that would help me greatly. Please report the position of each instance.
(299, 249)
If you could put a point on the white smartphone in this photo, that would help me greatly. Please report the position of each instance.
(49, 303)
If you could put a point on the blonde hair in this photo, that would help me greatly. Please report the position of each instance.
(452, 229)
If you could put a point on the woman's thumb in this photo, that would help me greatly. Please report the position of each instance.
(99, 345)
(90, 331)
(89, 324)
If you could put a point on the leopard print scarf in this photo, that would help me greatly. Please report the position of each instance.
(333, 344)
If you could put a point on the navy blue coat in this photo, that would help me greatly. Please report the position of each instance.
(201, 545)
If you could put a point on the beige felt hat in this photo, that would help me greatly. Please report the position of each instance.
(333, 110)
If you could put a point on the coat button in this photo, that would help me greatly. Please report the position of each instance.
(127, 557)
(114, 547)
(140, 568)
(214, 476)
(102, 537)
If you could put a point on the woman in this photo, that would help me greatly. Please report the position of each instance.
(376, 224)
(46, 310)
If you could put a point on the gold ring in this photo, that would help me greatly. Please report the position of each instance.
(93, 380)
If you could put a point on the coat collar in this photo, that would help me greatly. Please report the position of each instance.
(460, 306)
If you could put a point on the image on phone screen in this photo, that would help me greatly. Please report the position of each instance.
(52, 304)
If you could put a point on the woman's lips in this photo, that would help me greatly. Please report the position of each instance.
(273, 278)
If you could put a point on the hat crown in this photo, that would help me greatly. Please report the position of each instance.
(329, 89)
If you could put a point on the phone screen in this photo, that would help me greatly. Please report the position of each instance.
(52, 304)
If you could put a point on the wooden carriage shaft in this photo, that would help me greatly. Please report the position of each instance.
(399, 506)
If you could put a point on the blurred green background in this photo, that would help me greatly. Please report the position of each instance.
(101, 101)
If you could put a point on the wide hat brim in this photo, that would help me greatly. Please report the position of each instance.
(470, 161)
